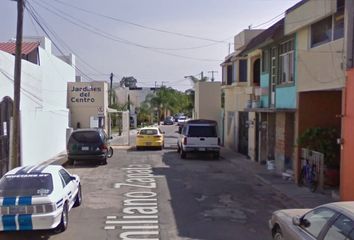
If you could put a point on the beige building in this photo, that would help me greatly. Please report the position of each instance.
(88, 104)
(207, 101)
(238, 86)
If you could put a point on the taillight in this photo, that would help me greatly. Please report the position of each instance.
(103, 147)
(185, 141)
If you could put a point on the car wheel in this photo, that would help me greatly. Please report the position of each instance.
(278, 235)
(63, 225)
(78, 199)
(138, 148)
(183, 154)
(110, 152)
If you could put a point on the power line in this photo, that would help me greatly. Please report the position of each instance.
(140, 25)
(120, 40)
(35, 18)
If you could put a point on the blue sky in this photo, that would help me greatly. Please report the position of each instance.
(145, 54)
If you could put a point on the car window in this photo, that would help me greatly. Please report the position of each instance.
(26, 184)
(340, 229)
(84, 137)
(148, 132)
(202, 131)
(184, 130)
(65, 176)
(314, 221)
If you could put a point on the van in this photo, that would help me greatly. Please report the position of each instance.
(199, 135)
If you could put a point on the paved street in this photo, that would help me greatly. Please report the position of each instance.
(156, 195)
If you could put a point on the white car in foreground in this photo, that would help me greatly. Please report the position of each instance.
(38, 197)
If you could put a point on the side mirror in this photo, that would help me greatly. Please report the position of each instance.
(72, 178)
(297, 220)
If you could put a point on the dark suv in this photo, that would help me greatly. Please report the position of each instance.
(89, 144)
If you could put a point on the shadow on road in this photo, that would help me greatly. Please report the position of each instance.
(27, 235)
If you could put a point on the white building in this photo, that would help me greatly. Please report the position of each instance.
(44, 113)
(136, 95)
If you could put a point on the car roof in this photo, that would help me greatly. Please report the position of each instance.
(88, 129)
(345, 207)
(147, 128)
(202, 121)
(35, 169)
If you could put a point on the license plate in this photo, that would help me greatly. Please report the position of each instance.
(201, 149)
(148, 144)
(84, 148)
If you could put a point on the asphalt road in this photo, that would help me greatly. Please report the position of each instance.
(154, 194)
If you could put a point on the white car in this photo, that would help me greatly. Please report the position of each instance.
(38, 197)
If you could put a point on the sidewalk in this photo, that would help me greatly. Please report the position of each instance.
(300, 196)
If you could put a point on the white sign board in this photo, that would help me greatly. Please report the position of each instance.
(93, 122)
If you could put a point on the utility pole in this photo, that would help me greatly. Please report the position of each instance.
(201, 76)
(110, 89)
(349, 33)
(212, 74)
(16, 156)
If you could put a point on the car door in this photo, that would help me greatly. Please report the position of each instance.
(70, 187)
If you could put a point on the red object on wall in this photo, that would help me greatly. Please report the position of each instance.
(347, 161)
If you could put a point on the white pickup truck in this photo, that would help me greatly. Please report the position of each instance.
(199, 135)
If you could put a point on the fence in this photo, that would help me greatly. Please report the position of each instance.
(6, 108)
(317, 159)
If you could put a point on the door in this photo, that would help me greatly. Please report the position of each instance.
(243, 133)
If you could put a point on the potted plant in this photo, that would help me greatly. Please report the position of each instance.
(324, 140)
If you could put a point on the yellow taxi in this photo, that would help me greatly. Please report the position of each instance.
(151, 137)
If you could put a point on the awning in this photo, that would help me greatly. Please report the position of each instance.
(27, 47)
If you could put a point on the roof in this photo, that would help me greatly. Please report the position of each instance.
(10, 47)
(296, 6)
(228, 58)
(272, 33)
(149, 128)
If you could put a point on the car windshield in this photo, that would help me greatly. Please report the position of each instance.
(84, 137)
(202, 131)
(26, 185)
(148, 132)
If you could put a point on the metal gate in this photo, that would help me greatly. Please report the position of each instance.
(6, 108)
(243, 133)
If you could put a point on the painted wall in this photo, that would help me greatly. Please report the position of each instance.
(347, 164)
(285, 97)
(319, 68)
(265, 84)
(44, 116)
(308, 13)
(86, 99)
(208, 100)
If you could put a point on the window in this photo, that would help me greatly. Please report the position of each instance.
(229, 75)
(66, 176)
(330, 28)
(338, 21)
(321, 32)
(286, 63)
(202, 131)
(243, 70)
(340, 229)
(314, 221)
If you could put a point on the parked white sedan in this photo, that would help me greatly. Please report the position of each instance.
(38, 197)
(332, 221)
